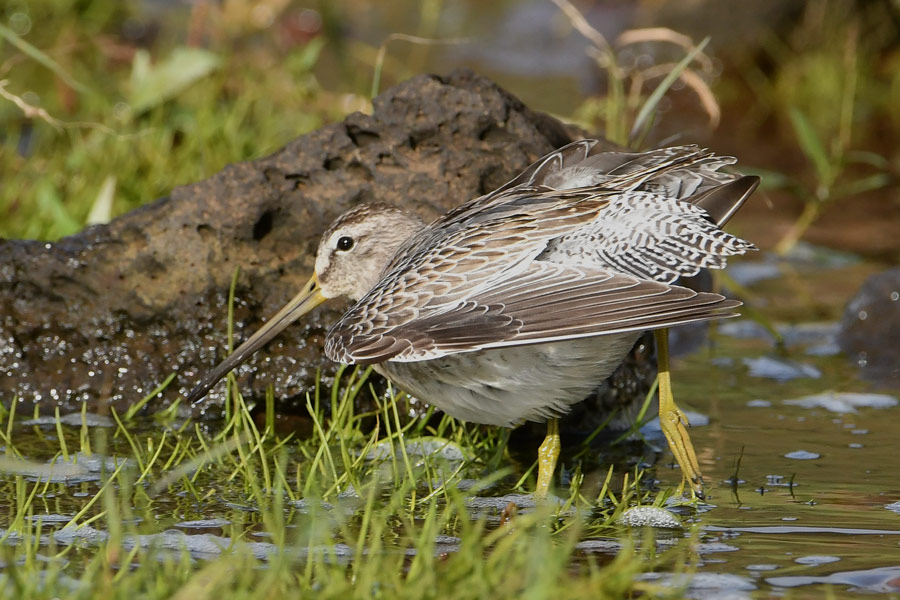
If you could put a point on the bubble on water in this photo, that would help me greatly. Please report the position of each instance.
(20, 23)
(759, 404)
(815, 559)
(844, 402)
(802, 455)
(762, 567)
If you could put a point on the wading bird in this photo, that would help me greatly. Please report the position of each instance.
(517, 304)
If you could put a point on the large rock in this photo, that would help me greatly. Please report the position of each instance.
(105, 315)
(870, 328)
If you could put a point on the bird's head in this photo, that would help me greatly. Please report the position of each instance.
(357, 247)
(351, 258)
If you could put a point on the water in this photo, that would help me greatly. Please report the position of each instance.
(799, 454)
(803, 485)
(802, 494)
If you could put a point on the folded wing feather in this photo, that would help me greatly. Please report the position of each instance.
(550, 302)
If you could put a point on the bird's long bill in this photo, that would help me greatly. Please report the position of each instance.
(308, 298)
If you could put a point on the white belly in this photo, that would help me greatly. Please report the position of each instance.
(506, 386)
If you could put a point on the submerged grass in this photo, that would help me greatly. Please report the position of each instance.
(166, 507)
(131, 510)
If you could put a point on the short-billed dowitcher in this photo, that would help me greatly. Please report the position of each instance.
(517, 304)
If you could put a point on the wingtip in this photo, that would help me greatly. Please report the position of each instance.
(725, 200)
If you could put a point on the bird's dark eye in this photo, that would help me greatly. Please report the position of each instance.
(344, 243)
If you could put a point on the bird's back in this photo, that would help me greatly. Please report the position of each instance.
(603, 232)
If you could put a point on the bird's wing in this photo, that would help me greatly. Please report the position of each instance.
(439, 293)
(675, 172)
(442, 269)
(561, 158)
(567, 189)
(548, 302)
(653, 237)
(452, 257)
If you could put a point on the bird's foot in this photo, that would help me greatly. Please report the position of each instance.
(673, 422)
(548, 454)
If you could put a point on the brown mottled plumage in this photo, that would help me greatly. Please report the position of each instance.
(517, 304)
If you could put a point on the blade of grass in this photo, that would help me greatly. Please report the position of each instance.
(60, 435)
(412, 39)
(135, 447)
(134, 408)
(42, 58)
(73, 522)
(195, 464)
(812, 145)
(649, 106)
(147, 470)
(85, 432)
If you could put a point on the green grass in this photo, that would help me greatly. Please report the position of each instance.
(626, 113)
(302, 516)
(353, 510)
(94, 126)
(829, 86)
(80, 107)
(825, 92)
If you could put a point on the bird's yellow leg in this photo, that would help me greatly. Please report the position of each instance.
(673, 421)
(547, 455)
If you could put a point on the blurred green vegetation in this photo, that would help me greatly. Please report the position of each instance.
(126, 101)
(826, 90)
(108, 105)
(157, 94)
(342, 513)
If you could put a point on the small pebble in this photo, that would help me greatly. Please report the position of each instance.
(649, 516)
